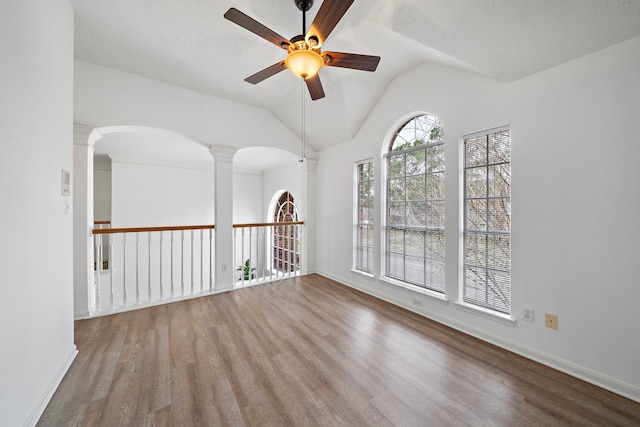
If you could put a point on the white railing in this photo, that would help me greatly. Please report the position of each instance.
(155, 265)
(146, 266)
(102, 256)
(267, 251)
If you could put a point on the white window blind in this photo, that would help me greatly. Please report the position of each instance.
(414, 233)
(487, 220)
(363, 253)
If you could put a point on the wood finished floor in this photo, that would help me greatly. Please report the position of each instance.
(305, 352)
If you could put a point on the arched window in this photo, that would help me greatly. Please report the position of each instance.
(414, 232)
(286, 250)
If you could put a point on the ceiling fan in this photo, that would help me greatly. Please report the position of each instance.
(305, 58)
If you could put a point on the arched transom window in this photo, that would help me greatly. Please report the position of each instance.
(286, 242)
(415, 196)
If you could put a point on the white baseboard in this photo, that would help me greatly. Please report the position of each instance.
(79, 315)
(609, 383)
(51, 388)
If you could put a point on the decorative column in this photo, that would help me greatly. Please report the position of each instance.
(82, 193)
(307, 205)
(223, 217)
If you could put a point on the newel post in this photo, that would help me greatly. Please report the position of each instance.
(223, 217)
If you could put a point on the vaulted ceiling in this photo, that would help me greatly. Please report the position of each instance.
(188, 43)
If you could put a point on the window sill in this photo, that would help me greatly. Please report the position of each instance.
(486, 313)
(363, 273)
(436, 296)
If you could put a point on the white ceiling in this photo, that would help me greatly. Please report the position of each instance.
(188, 43)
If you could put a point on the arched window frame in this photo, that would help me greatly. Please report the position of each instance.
(414, 205)
(286, 241)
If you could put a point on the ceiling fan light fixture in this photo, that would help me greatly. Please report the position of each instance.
(304, 63)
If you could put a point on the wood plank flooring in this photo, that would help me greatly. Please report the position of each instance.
(309, 352)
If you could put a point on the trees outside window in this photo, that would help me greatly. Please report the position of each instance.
(487, 220)
(415, 204)
(363, 254)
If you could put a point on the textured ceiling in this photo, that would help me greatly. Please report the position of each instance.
(188, 43)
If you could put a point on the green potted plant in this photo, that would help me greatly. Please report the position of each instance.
(248, 272)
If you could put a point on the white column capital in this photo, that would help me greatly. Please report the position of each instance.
(82, 136)
(222, 153)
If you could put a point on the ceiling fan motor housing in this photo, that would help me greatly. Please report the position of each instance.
(303, 5)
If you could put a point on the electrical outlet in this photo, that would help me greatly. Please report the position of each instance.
(527, 314)
(551, 321)
(417, 302)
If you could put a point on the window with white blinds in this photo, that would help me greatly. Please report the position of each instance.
(415, 198)
(363, 253)
(487, 220)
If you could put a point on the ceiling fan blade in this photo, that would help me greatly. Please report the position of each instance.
(266, 73)
(351, 60)
(328, 16)
(315, 87)
(247, 22)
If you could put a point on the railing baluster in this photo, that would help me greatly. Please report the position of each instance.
(192, 261)
(161, 284)
(211, 260)
(181, 262)
(149, 264)
(98, 273)
(171, 271)
(124, 270)
(137, 269)
(112, 291)
(201, 261)
(242, 264)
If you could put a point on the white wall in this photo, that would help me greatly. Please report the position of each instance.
(156, 196)
(575, 205)
(248, 198)
(108, 97)
(36, 273)
(101, 193)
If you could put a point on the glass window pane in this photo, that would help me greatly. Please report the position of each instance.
(414, 271)
(435, 158)
(395, 189)
(434, 245)
(500, 215)
(396, 165)
(434, 276)
(499, 180)
(415, 243)
(476, 183)
(475, 250)
(395, 239)
(416, 214)
(415, 162)
(499, 147)
(396, 213)
(435, 214)
(395, 266)
(435, 186)
(476, 215)
(475, 151)
(416, 188)
(499, 253)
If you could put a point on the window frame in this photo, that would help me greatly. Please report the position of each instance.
(463, 299)
(421, 230)
(358, 265)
